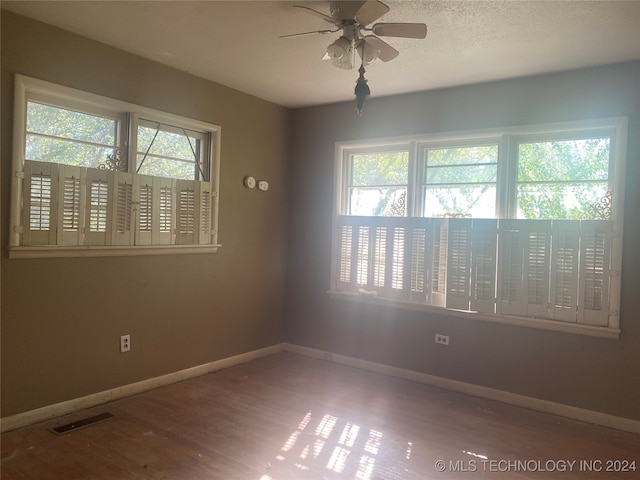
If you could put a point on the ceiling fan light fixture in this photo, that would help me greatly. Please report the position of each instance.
(368, 53)
(339, 48)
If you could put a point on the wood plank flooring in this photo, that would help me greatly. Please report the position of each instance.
(288, 417)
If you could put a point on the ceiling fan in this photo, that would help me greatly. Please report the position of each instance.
(353, 18)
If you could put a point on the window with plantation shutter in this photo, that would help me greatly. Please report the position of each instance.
(109, 177)
(519, 226)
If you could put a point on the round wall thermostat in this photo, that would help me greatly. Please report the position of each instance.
(249, 182)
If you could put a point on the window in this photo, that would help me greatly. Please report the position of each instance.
(378, 183)
(561, 179)
(60, 135)
(520, 226)
(169, 151)
(106, 176)
(460, 181)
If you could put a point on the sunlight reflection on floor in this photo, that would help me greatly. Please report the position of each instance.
(329, 443)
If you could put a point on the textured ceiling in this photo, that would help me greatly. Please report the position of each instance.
(235, 43)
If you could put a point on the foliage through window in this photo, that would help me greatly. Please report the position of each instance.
(378, 183)
(168, 151)
(96, 172)
(562, 179)
(460, 181)
(60, 135)
(524, 225)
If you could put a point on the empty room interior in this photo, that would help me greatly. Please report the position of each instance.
(280, 240)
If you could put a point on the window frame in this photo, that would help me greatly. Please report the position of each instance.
(40, 91)
(508, 140)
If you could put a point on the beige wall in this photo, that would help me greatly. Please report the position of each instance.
(593, 373)
(62, 318)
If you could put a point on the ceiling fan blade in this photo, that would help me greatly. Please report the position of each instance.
(406, 30)
(326, 18)
(385, 51)
(370, 11)
(308, 33)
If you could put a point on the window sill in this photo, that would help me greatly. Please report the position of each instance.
(107, 251)
(544, 324)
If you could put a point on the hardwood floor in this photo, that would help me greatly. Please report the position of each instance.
(288, 417)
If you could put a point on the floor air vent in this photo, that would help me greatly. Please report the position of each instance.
(83, 423)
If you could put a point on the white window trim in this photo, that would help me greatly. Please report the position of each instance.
(617, 127)
(31, 88)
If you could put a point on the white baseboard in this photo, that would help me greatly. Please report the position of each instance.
(63, 408)
(531, 403)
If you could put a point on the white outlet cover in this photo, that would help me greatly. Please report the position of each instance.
(263, 185)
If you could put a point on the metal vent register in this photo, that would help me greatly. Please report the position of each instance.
(82, 423)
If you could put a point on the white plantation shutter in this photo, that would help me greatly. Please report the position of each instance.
(345, 257)
(510, 268)
(163, 217)
(484, 244)
(194, 210)
(537, 266)
(438, 262)
(556, 270)
(362, 264)
(205, 212)
(99, 184)
(418, 264)
(595, 251)
(187, 209)
(380, 256)
(524, 267)
(71, 204)
(123, 226)
(458, 263)
(565, 249)
(397, 259)
(144, 197)
(39, 214)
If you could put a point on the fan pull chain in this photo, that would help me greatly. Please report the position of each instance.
(362, 90)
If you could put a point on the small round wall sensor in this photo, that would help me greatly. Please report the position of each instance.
(263, 185)
(249, 182)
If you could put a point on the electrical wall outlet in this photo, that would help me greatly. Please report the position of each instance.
(125, 343)
(442, 339)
